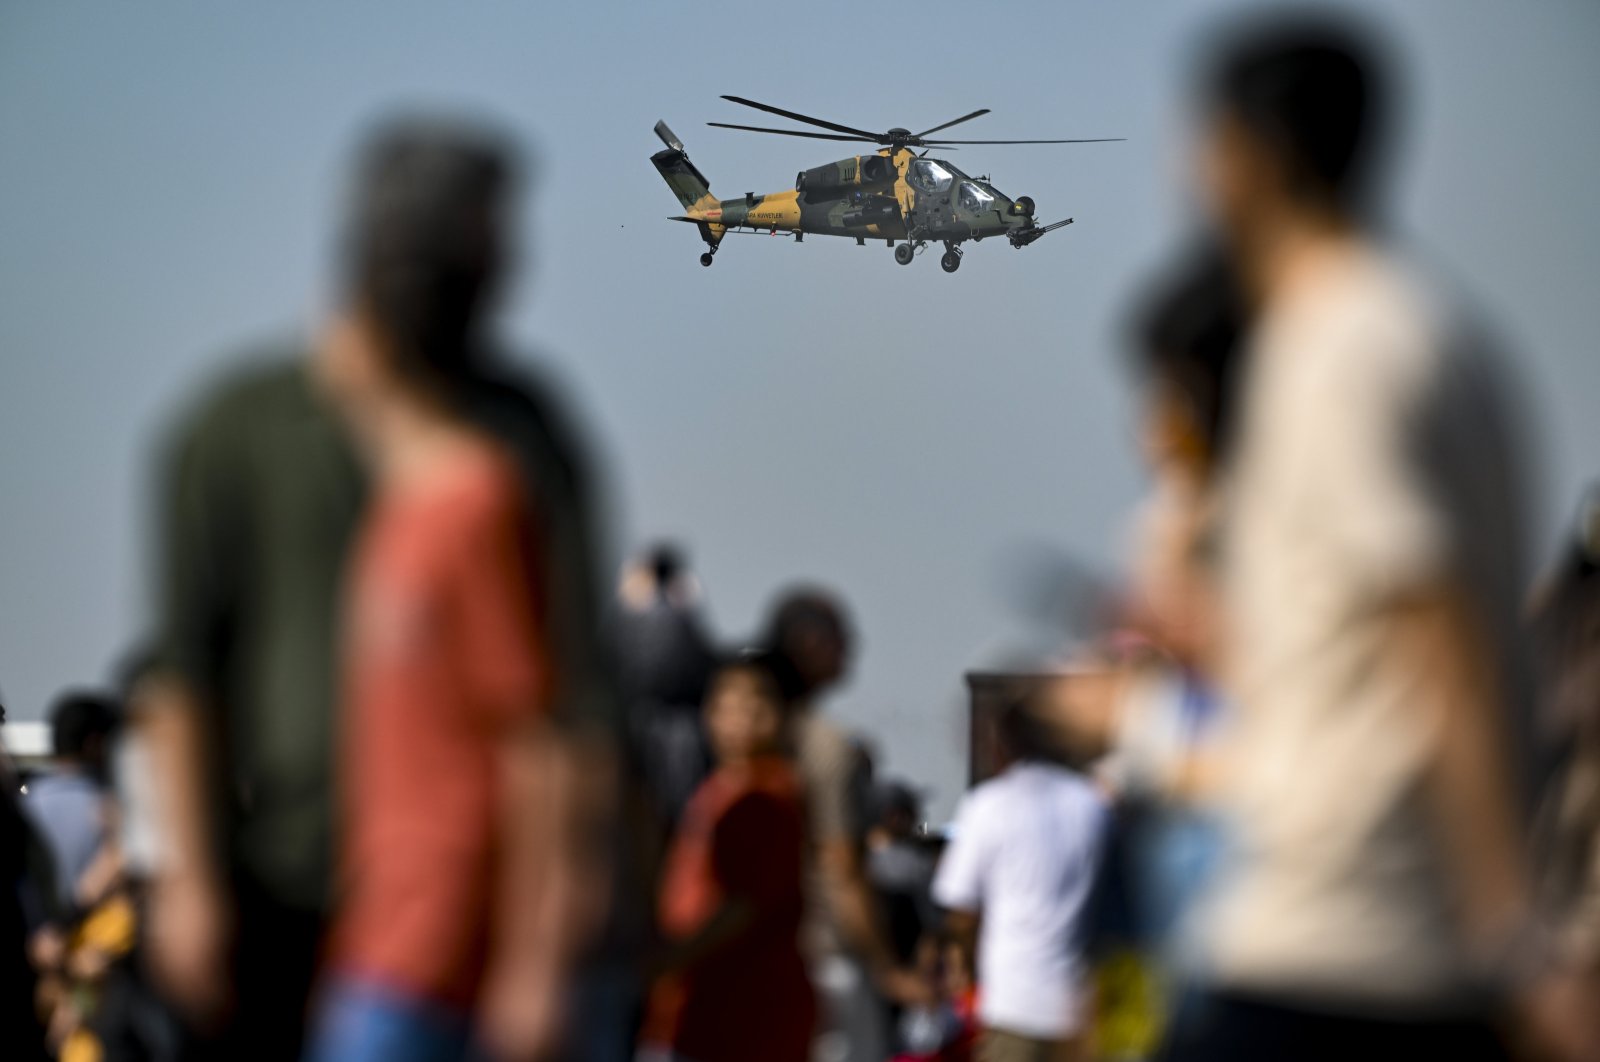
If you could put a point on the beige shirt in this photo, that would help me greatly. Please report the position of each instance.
(1374, 460)
(827, 763)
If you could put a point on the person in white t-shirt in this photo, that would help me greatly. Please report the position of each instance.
(1019, 870)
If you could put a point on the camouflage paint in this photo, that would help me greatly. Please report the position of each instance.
(876, 196)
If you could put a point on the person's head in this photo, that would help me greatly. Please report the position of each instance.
(666, 562)
(808, 629)
(81, 727)
(1025, 734)
(1295, 109)
(426, 242)
(747, 709)
(1185, 339)
(899, 809)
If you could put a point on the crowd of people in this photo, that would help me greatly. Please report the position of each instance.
(398, 776)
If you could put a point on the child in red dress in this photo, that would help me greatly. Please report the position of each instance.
(731, 899)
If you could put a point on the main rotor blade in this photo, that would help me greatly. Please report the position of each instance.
(875, 137)
(795, 132)
(1095, 140)
(958, 121)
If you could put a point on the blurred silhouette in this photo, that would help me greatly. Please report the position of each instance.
(853, 964)
(446, 926)
(1141, 700)
(262, 494)
(900, 863)
(1566, 628)
(1016, 876)
(731, 895)
(1186, 352)
(900, 860)
(25, 877)
(84, 953)
(664, 660)
(1370, 558)
(70, 803)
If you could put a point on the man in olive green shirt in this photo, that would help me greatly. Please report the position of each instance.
(260, 496)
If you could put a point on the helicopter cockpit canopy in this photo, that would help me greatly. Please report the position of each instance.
(930, 176)
(975, 197)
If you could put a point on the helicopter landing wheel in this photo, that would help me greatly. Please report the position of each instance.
(903, 253)
(706, 259)
(950, 261)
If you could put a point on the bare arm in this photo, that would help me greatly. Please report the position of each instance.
(731, 920)
(554, 888)
(855, 912)
(1469, 780)
(963, 929)
(189, 915)
(534, 895)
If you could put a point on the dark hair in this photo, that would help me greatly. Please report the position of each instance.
(1188, 331)
(1308, 87)
(423, 246)
(666, 561)
(772, 670)
(1023, 734)
(803, 609)
(798, 611)
(77, 719)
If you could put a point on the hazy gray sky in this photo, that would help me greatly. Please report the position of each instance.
(169, 175)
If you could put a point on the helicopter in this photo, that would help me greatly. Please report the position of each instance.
(907, 199)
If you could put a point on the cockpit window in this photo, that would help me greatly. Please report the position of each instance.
(974, 198)
(928, 176)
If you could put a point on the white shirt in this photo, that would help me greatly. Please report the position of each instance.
(1024, 854)
(1374, 460)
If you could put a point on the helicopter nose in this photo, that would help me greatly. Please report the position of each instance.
(1023, 206)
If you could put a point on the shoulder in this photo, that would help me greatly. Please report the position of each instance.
(484, 486)
(527, 412)
(824, 747)
(1377, 316)
(1080, 798)
(261, 391)
(264, 381)
(987, 799)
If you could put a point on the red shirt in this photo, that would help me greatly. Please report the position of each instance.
(443, 656)
(742, 835)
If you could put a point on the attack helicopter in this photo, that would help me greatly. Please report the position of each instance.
(897, 195)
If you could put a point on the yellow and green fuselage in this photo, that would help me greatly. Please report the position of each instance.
(891, 195)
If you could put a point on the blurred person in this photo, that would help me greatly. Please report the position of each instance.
(23, 860)
(75, 809)
(1566, 629)
(1159, 720)
(1185, 349)
(262, 490)
(664, 660)
(70, 804)
(1164, 726)
(731, 896)
(853, 964)
(1017, 876)
(900, 865)
(944, 1028)
(1376, 892)
(116, 1013)
(441, 942)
